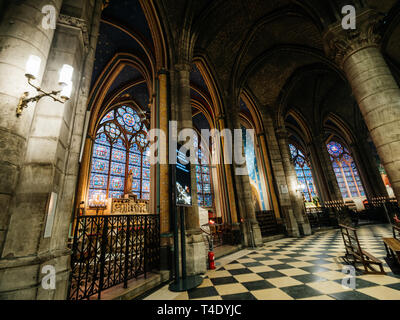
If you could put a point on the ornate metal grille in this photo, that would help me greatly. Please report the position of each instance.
(110, 250)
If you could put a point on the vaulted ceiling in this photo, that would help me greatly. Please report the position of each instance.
(260, 44)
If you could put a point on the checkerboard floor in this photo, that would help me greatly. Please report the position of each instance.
(309, 268)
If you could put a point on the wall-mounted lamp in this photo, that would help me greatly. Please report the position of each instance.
(32, 73)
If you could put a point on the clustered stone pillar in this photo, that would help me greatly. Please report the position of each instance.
(368, 168)
(164, 193)
(279, 174)
(21, 35)
(374, 87)
(195, 245)
(49, 159)
(327, 170)
(250, 227)
(295, 195)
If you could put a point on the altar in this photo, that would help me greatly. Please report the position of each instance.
(129, 205)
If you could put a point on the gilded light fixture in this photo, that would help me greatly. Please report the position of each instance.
(32, 72)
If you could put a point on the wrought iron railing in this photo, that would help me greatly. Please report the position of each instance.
(268, 223)
(321, 217)
(110, 250)
(381, 209)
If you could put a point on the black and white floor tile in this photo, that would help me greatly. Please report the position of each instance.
(309, 268)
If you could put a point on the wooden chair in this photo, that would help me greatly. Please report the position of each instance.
(392, 245)
(353, 248)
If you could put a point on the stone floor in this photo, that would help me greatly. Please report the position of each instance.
(295, 269)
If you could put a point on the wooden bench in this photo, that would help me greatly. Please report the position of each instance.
(353, 249)
(392, 245)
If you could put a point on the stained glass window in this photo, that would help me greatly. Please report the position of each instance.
(252, 166)
(203, 178)
(121, 146)
(346, 171)
(302, 166)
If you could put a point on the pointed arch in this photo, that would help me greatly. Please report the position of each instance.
(106, 79)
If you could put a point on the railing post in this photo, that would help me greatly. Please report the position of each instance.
(103, 253)
(145, 247)
(128, 235)
(73, 260)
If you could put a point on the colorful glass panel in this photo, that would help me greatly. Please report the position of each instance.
(303, 172)
(203, 178)
(252, 166)
(116, 148)
(346, 171)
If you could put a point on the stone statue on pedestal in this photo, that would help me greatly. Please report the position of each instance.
(129, 182)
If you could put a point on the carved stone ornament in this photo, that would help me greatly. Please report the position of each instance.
(75, 23)
(341, 44)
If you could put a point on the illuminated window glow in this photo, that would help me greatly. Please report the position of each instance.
(121, 145)
(302, 166)
(203, 178)
(346, 171)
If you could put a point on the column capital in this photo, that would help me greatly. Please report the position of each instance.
(184, 66)
(282, 133)
(340, 44)
(76, 23)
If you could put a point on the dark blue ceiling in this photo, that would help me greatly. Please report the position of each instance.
(243, 107)
(128, 75)
(197, 79)
(200, 122)
(128, 13)
(140, 94)
(112, 41)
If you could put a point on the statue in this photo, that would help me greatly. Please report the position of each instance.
(129, 181)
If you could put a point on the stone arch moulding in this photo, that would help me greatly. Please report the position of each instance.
(143, 43)
(108, 76)
(295, 78)
(216, 118)
(344, 131)
(345, 136)
(270, 17)
(202, 64)
(96, 106)
(302, 122)
(159, 37)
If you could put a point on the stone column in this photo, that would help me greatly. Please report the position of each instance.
(291, 177)
(279, 175)
(21, 35)
(226, 179)
(374, 87)
(368, 169)
(195, 245)
(50, 164)
(250, 228)
(163, 172)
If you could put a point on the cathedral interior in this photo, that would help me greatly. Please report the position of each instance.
(91, 206)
